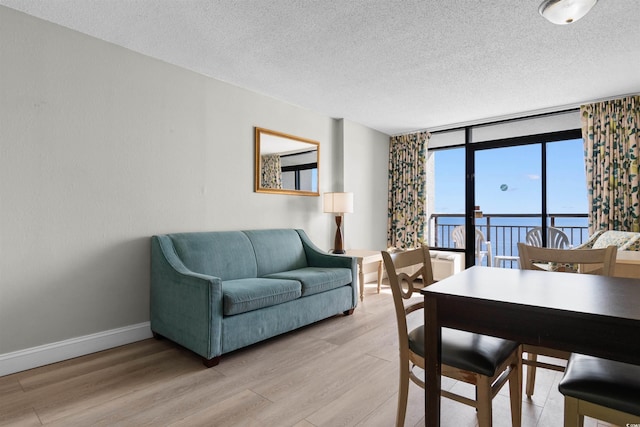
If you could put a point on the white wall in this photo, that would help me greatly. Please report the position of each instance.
(366, 171)
(101, 147)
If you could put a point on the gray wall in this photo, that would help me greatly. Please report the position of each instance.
(101, 147)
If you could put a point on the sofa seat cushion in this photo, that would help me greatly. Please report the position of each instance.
(316, 279)
(242, 295)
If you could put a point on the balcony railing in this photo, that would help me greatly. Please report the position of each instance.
(504, 231)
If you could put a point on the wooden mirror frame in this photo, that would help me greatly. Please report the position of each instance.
(269, 141)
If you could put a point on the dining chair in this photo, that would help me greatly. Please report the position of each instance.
(587, 261)
(603, 389)
(486, 362)
(459, 241)
(556, 238)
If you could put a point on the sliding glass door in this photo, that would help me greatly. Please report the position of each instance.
(504, 189)
(508, 196)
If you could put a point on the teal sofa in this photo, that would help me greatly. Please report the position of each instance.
(216, 292)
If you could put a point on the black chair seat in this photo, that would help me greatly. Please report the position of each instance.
(464, 350)
(604, 382)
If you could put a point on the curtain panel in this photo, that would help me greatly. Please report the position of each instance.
(271, 171)
(407, 182)
(610, 134)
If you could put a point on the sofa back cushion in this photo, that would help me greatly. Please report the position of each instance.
(225, 254)
(277, 250)
(624, 240)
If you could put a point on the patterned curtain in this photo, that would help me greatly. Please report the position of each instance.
(610, 133)
(271, 171)
(407, 183)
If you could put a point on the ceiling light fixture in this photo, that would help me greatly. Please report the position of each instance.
(563, 12)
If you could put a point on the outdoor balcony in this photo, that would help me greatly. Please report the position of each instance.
(504, 231)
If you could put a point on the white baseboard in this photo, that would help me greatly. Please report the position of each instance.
(55, 352)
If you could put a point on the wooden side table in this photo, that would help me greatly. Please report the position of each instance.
(628, 264)
(365, 257)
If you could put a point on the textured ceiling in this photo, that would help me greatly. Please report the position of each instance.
(393, 65)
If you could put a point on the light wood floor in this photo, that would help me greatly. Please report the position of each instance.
(339, 372)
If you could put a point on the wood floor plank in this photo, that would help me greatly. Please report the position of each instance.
(302, 394)
(161, 412)
(80, 394)
(356, 403)
(23, 417)
(314, 372)
(13, 402)
(9, 384)
(238, 410)
(91, 363)
(154, 402)
(273, 357)
(384, 415)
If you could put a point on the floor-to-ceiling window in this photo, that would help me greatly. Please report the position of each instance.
(446, 195)
(567, 189)
(506, 186)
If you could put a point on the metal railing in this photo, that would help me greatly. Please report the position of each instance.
(504, 231)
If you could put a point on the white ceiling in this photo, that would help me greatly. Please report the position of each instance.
(393, 65)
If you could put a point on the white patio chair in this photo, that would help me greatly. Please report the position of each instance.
(556, 238)
(458, 237)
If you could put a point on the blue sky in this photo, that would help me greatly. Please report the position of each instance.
(508, 180)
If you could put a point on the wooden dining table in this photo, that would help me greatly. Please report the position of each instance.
(581, 313)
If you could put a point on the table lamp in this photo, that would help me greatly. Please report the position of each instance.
(339, 204)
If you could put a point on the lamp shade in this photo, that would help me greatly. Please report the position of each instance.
(563, 12)
(338, 202)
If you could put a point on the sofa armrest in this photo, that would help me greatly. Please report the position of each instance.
(185, 307)
(592, 240)
(318, 258)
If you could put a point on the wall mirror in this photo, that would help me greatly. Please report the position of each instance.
(286, 164)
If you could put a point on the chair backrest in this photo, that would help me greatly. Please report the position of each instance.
(405, 269)
(459, 241)
(590, 261)
(556, 238)
(458, 237)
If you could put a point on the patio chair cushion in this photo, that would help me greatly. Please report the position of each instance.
(624, 240)
(604, 382)
(464, 350)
